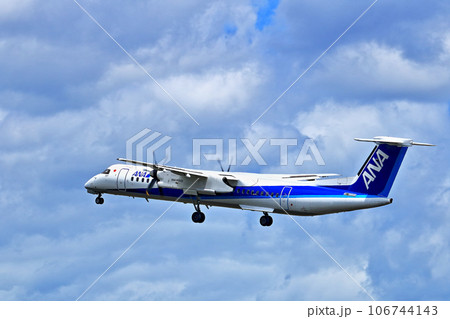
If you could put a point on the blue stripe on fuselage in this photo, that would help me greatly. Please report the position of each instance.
(241, 192)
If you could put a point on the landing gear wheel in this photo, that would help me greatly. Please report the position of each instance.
(99, 200)
(266, 220)
(198, 217)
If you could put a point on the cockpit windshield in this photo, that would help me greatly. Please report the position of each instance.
(106, 171)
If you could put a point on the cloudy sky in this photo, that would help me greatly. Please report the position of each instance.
(70, 98)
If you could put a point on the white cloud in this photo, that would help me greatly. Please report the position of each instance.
(221, 91)
(442, 198)
(14, 9)
(140, 290)
(3, 114)
(56, 241)
(324, 284)
(433, 243)
(337, 123)
(209, 24)
(204, 44)
(370, 68)
(118, 76)
(432, 246)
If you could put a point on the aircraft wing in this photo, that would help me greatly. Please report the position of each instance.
(175, 170)
(193, 182)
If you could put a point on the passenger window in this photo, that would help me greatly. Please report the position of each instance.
(276, 195)
(248, 191)
(271, 194)
(257, 193)
(132, 178)
(148, 180)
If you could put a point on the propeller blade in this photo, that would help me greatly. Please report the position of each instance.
(154, 159)
(150, 186)
(220, 163)
(152, 183)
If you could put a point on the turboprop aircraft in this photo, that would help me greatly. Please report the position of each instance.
(294, 194)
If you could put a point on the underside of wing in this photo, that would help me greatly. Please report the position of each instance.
(257, 208)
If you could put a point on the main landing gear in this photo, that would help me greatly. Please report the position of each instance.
(266, 220)
(99, 200)
(198, 216)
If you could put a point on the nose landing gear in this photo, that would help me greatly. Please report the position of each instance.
(99, 200)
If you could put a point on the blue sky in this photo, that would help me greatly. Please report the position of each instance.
(70, 98)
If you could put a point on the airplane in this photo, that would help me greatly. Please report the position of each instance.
(294, 194)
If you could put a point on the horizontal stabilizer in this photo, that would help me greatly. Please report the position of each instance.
(397, 141)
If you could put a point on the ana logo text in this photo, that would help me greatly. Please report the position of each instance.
(141, 174)
(369, 174)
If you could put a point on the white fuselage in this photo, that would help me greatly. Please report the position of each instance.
(249, 191)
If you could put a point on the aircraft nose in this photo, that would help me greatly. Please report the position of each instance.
(90, 183)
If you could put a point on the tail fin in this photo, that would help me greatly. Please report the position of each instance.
(377, 174)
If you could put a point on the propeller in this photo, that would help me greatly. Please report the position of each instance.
(154, 180)
(154, 175)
